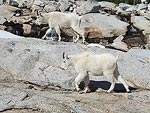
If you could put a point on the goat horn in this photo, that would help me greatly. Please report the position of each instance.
(63, 55)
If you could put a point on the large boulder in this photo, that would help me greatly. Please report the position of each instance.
(141, 23)
(6, 12)
(105, 26)
(1, 2)
(88, 7)
(5, 34)
(38, 62)
(119, 44)
(12, 98)
(2, 20)
(64, 6)
(107, 5)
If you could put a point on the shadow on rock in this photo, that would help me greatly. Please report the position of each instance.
(105, 85)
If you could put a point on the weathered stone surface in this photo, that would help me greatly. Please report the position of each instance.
(21, 19)
(124, 6)
(144, 13)
(1, 2)
(32, 81)
(5, 34)
(90, 6)
(108, 5)
(27, 29)
(13, 100)
(50, 8)
(5, 13)
(144, 54)
(142, 7)
(64, 5)
(38, 62)
(2, 20)
(106, 27)
(92, 32)
(136, 59)
(17, 99)
(119, 44)
(141, 23)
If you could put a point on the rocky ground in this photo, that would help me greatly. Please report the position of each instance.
(23, 98)
(31, 79)
(102, 21)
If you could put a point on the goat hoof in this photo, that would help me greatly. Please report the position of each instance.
(109, 91)
(85, 43)
(81, 92)
(129, 91)
(75, 41)
(77, 89)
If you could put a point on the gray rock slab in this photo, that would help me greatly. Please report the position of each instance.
(88, 7)
(72, 102)
(38, 62)
(141, 23)
(108, 25)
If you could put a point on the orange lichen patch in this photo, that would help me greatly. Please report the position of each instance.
(92, 32)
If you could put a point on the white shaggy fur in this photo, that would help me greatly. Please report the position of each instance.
(59, 20)
(96, 64)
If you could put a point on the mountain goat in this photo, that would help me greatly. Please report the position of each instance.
(96, 64)
(59, 20)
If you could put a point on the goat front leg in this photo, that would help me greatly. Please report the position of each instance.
(81, 76)
(80, 31)
(47, 32)
(86, 82)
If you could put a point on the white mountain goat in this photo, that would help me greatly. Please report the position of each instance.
(59, 20)
(96, 64)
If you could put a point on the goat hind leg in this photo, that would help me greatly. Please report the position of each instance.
(124, 83)
(86, 82)
(58, 32)
(111, 78)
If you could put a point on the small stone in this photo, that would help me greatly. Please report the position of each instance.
(77, 100)
(130, 97)
(10, 50)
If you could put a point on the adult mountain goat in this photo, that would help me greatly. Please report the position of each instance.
(96, 64)
(59, 20)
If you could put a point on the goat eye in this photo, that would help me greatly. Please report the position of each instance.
(64, 61)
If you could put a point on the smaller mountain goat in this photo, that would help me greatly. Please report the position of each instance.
(59, 21)
(96, 64)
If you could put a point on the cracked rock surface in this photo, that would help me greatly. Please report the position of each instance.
(31, 80)
(16, 100)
